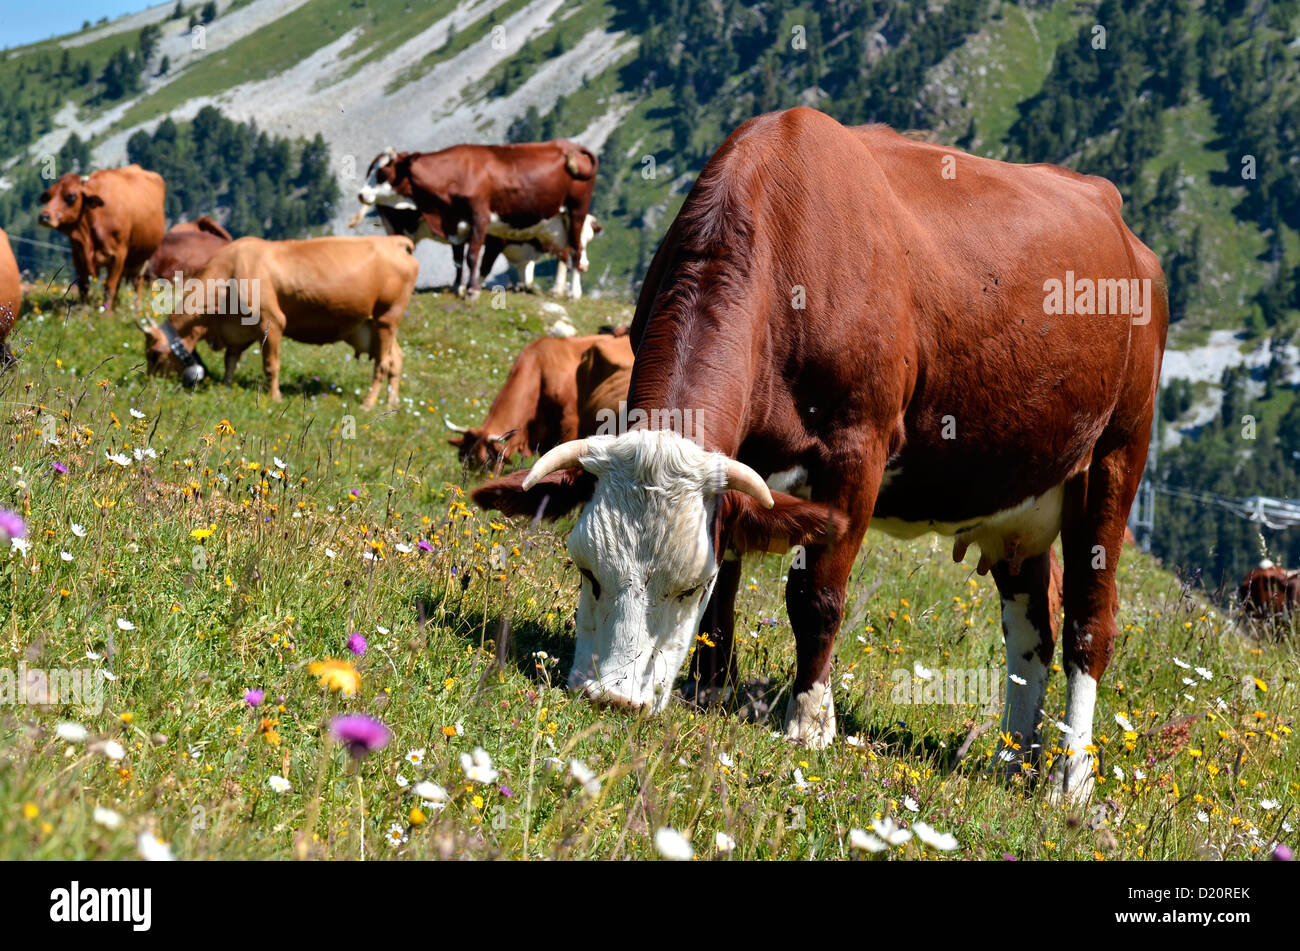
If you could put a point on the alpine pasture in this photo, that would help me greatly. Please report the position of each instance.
(211, 557)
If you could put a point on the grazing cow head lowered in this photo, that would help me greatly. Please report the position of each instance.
(659, 513)
(165, 354)
(478, 448)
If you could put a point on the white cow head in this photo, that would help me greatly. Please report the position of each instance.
(658, 507)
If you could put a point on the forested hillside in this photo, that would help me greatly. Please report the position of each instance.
(1191, 108)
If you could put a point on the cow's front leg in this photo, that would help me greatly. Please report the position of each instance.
(714, 669)
(1030, 641)
(116, 265)
(477, 235)
(233, 353)
(814, 599)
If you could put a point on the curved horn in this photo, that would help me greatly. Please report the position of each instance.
(499, 440)
(356, 219)
(453, 427)
(563, 456)
(744, 479)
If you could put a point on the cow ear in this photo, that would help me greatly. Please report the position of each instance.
(789, 522)
(456, 441)
(555, 495)
(93, 201)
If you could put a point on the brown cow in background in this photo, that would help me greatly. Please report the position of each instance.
(538, 407)
(114, 221)
(602, 378)
(466, 192)
(11, 296)
(1269, 592)
(187, 248)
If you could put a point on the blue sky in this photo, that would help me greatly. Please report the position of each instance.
(26, 21)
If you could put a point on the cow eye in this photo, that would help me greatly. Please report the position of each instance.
(595, 585)
(689, 592)
(70, 197)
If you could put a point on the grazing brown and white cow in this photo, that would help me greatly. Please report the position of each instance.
(11, 296)
(1269, 592)
(323, 290)
(113, 219)
(539, 406)
(465, 193)
(186, 248)
(899, 356)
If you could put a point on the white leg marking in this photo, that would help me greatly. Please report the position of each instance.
(1075, 778)
(561, 278)
(577, 284)
(528, 274)
(1026, 681)
(810, 717)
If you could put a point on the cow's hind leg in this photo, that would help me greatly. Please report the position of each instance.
(458, 258)
(1030, 642)
(1097, 504)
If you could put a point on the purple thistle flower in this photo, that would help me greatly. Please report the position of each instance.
(357, 643)
(355, 493)
(59, 467)
(1008, 857)
(254, 697)
(425, 546)
(359, 733)
(1282, 853)
(11, 524)
(505, 791)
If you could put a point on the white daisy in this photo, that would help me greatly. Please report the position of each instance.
(890, 832)
(585, 777)
(864, 841)
(279, 784)
(71, 732)
(416, 757)
(153, 849)
(943, 841)
(725, 843)
(124, 625)
(673, 846)
(478, 767)
(106, 817)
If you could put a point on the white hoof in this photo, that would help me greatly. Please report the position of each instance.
(1072, 782)
(810, 717)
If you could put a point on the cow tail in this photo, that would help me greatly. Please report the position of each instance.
(581, 163)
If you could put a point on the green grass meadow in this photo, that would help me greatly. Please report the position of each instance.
(226, 543)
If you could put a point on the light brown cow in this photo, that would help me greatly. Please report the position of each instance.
(11, 296)
(538, 406)
(113, 220)
(186, 248)
(323, 290)
(602, 378)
